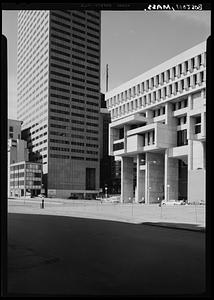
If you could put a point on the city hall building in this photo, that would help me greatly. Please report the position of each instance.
(158, 129)
(58, 76)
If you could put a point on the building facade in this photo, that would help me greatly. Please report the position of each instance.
(17, 149)
(25, 179)
(59, 96)
(158, 129)
(106, 161)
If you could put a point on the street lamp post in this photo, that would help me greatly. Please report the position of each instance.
(106, 192)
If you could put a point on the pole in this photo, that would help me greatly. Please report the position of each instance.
(148, 185)
(107, 78)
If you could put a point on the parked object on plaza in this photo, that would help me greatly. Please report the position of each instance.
(41, 196)
(114, 199)
(173, 202)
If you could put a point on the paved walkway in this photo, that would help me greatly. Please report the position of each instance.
(190, 217)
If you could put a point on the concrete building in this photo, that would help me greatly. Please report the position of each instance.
(25, 179)
(17, 149)
(59, 97)
(158, 123)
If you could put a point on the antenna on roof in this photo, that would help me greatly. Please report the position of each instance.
(107, 78)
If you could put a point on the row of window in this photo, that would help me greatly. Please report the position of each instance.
(22, 174)
(27, 166)
(153, 97)
(166, 76)
(72, 157)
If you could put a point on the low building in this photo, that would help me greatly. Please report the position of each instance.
(25, 179)
(158, 124)
(17, 149)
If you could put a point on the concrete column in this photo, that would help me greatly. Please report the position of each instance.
(154, 177)
(177, 71)
(204, 80)
(155, 81)
(203, 59)
(149, 116)
(160, 79)
(204, 155)
(184, 71)
(152, 97)
(171, 177)
(146, 85)
(191, 81)
(185, 84)
(150, 138)
(203, 123)
(190, 155)
(171, 74)
(166, 76)
(126, 179)
(190, 67)
(142, 88)
(199, 78)
(168, 91)
(179, 86)
(140, 187)
(173, 89)
(146, 138)
(196, 62)
(150, 83)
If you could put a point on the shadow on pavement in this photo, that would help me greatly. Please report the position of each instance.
(177, 225)
(57, 255)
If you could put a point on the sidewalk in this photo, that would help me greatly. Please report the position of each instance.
(188, 217)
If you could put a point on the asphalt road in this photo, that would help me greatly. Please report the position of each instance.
(57, 255)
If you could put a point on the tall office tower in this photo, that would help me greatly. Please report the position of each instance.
(158, 124)
(59, 96)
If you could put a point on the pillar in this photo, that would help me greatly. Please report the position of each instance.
(126, 179)
(196, 62)
(154, 177)
(184, 68)
(166, 76)
(140, 184)
(171, 177)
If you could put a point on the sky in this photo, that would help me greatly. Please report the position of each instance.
(132, 42)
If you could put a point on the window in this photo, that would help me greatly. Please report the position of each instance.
(197, 124)
(178, 121)
(11, 128)
(90, 178)
(182, 137)
(163, 110)
(118, 146)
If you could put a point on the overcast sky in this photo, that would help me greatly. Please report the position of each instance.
(132, 42)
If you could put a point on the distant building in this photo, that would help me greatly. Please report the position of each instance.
(158, 128)
(17, 148)
(106, 161)
(25, 179)
(58, 94)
